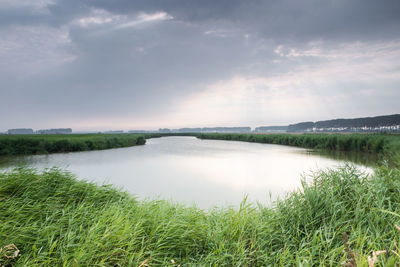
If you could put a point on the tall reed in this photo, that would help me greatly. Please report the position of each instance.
(53, 219)
(44, 144)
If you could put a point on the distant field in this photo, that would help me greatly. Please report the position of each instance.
(44, 144)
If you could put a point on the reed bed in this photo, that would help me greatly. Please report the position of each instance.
(384, 145)
(44, 144)
(50, 218)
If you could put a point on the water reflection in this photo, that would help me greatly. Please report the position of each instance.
(366, 159)
(185, 169)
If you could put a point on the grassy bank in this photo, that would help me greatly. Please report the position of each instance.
(44, 144)
(55, 220)
(384, 144)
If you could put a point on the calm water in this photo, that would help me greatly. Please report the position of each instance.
(193, 171)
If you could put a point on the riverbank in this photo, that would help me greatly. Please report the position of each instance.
(380, 144)
(384, 145)
(54, 219)
(45, 144)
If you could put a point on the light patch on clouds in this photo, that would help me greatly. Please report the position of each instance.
(348, 62)
(104, 22)
(243, 101)
(99, 17)
(220, 33)
(350, 76)
(347, 51)
(145, 18)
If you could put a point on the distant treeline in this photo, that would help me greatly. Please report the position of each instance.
(271, 129)
(368, 143)
(44, 131)
(37, 144)
(207, 129)
(381, 123)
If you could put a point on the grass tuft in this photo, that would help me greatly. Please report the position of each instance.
(53, 219)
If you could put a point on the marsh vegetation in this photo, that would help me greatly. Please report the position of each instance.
(49, 218)
(383, 145)
(45, 144)
(55, 220)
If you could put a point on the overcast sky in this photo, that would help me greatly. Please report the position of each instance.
(126, 64)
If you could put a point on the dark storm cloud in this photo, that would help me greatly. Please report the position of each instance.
(142, 58)
(272, 18)
(132, 67)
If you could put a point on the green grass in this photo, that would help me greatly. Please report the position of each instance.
(384, 144)
(56, 220)
(44, 144)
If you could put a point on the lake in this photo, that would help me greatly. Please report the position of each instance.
(205, 173)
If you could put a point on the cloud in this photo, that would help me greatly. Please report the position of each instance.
(35, 5)
(145, 18)
(108, 21)
(98, 17)
(25, 50)
(356, 77)
(145, 63)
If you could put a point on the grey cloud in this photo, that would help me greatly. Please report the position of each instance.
(112, 68)
(286, 19)
(146, 69)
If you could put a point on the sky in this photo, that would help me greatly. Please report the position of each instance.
(149, 64)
